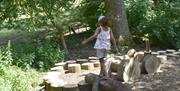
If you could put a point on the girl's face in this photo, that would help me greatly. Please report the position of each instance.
(103, 22)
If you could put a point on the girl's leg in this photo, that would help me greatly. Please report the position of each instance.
(103, 71)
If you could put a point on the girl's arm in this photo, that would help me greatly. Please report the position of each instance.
(92, 37)
(113, 40)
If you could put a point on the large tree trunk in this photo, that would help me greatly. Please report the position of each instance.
(115, 10)
(60, 35)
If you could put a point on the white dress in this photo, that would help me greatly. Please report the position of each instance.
(103, 40)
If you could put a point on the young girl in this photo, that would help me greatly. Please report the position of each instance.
(104, 36)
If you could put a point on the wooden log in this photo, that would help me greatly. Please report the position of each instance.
(60, 64)
(162, 58)
(87, 66)
(52, 74)
(104, 83)
(169, 56)
(81, 61)
(92, 58)
(47, 85)
(58, 68)
(70, 87)
(56, 85)
(120, 69)
(176, 53)
(69, 62)
(161, 52)
(132, 70)
(140, 56)
(108, 84)
(96, 64)
(131, 52)
(83, 86)
(108, 62)
(124, 57)
(114, 65)
(170, 50)
(155, 53)
(91, 78)
(152, 63)
(74, 68)
(129, 70)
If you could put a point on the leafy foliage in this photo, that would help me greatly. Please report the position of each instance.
(160, 21)
(12, 78)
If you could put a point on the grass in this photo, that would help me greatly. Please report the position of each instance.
(31, 53)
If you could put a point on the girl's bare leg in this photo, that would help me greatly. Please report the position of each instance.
(103, 71)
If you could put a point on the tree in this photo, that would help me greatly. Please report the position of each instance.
(37, 14)
(115, 10)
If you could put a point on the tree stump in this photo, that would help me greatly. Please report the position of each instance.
(124, 57)
(96, 64)
(91, 78)
(132, 70)
(92, 58)
(170, 50)
(87, 66)
(104, 83)
(172, 56)
(56, 85)
(129, 70)
(47, 85)
(155, 53)
(58, 68)
(60, 64)
(114, 65)
(83, 86)
(69, 62)
(140, 56)
(162, 52)
(81, 61)
(74, 68)
(131, 52)
(108, 84)
(70, 87)
(152, 63)
(162, 58)
(120, 69)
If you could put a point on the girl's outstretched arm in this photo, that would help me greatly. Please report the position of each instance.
(92, 37)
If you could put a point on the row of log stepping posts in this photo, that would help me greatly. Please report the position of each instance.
(82, 74)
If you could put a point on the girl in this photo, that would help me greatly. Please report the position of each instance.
(104, 36)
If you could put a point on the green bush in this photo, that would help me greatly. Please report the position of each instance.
(39, 54)
(160, 21)
(13, 78)
(47, 55)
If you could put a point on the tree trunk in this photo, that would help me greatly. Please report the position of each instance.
(60, 35)
(115, 10)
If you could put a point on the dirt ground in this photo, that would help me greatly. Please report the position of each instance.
(167, 80)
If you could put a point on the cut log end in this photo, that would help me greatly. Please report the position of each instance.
(70, 87)
(74, 68)
(87, 66)
(131, 52)
(152, 63)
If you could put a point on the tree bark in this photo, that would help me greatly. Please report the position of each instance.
(104, 83)
(60, 35)
(115, 10)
